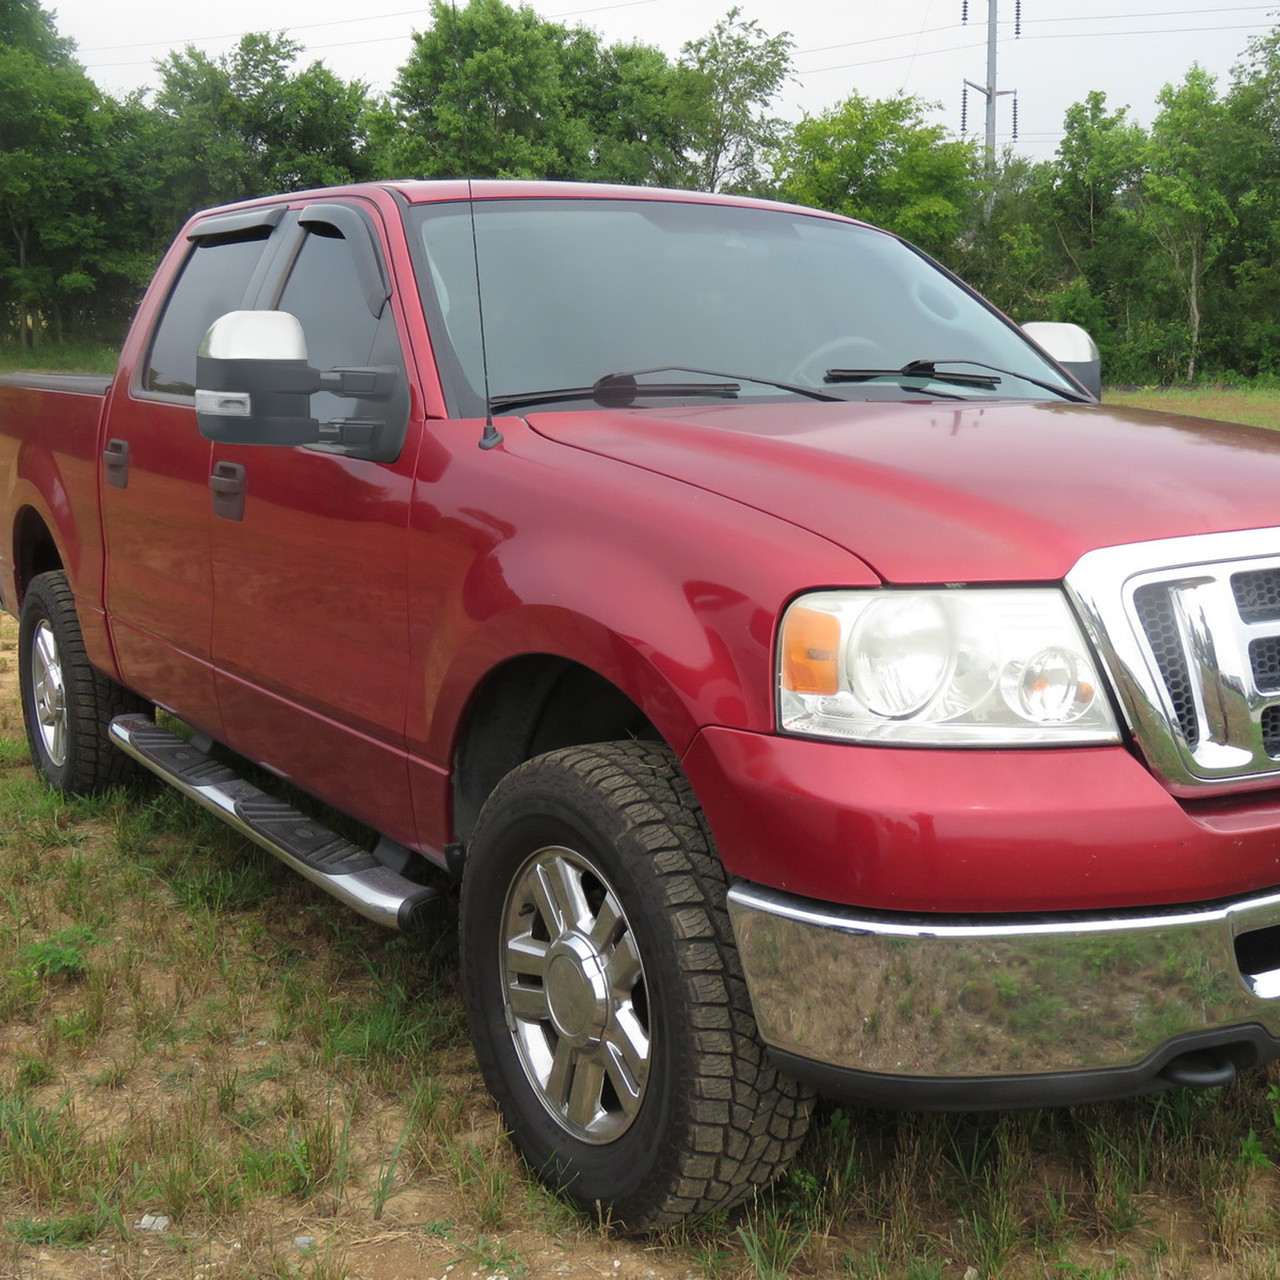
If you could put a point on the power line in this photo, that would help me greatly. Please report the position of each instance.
(1030, 22)
(1061, 35)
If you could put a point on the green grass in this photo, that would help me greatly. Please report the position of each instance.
(1257, 407)
(69, 357)
(188, 1030)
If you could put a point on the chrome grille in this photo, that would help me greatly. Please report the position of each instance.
(1189, 630)
(1155, 613)
(1264, 658)
(1271, 730)
(1257, 594)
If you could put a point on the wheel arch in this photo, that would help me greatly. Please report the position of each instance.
(528, 705)
(35, 550)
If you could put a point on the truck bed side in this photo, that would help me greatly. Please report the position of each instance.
(49, 446)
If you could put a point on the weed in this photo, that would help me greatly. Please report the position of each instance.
(1253, 1154)
(61, 954)
(485, 1181)
(383, 1183)
(42, 1152)
(493, 1257)
(773, 1242)
(61, 1232)
(32, 1073)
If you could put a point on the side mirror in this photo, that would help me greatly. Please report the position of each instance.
(254, 385)
(1072, 348)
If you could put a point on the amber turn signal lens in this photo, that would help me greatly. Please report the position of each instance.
(811, 652)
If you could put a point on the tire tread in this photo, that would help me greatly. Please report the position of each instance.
(93, 764)
(746, 1120)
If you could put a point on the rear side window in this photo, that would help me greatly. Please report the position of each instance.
(213, 281)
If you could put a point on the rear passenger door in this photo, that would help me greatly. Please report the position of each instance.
(310, 622)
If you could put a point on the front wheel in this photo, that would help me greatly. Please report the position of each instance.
(66, 703)
(606, 1001)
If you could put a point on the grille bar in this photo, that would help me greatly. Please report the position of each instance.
(1189, 630)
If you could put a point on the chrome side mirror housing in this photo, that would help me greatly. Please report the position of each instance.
(254, 385)
(1072, 347)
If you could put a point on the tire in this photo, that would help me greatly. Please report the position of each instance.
(606, 1001)
(66, 703)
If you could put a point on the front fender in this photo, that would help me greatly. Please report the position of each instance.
(669, 592)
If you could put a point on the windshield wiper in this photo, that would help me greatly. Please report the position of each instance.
(617, 391)
(622, 390)
(927, 369)
(811, 393)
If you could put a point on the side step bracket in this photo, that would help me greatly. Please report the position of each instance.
(349, 873)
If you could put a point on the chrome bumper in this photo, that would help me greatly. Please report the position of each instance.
(960, 999)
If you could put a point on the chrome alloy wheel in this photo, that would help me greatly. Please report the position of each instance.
(575, 996)
(49, 693)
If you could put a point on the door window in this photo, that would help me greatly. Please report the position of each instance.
(214, 280)
(325, 292)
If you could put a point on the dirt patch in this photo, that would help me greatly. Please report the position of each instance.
(10, 709)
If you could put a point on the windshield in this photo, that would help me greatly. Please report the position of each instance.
(579, 290)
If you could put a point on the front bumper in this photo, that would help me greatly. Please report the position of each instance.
(955, 1012)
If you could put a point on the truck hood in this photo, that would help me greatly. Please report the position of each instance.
(931, 492)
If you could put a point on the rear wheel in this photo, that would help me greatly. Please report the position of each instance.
(607, 1005)
(66, 703)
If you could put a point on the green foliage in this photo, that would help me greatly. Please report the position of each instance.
(488, 92)
(1184, 197)
(242, 124)
(878, 160)
(61, 954)
(495, 91)
(1164, 243)
(731, 76)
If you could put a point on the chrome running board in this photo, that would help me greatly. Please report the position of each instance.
(349, 873)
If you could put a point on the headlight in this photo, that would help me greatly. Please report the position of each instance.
(964, 667)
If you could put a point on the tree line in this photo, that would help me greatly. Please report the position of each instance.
(1163, 242)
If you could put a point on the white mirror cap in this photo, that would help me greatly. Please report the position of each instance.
(255, 335)
(1066, 343)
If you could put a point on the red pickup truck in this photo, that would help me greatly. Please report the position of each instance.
(811, 684)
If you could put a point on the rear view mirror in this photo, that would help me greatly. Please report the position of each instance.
(1072, 348)
(254, 385)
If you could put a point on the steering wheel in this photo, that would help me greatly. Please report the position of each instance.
(809, 371)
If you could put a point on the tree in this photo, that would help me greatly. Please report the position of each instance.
(634, 103)
(877, 159)
(1099, 161)
(731, 77)
(486, 92)
(242, 124)
(1247, 275)
(1185, 194)
(1001, 250)
(494, 91)
(1097, 252)
(25, 25)
(66, 224)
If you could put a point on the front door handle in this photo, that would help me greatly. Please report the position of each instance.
(115, 459)
(227, 485)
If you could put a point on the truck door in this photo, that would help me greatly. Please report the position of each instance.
(155, 476)
(310, 623)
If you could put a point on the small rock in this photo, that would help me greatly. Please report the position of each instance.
(153, 1222)
(971, 1273)
(304, 1242)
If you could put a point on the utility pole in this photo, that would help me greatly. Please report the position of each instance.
(989, 90)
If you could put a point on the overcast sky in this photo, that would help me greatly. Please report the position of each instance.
(1127, 48)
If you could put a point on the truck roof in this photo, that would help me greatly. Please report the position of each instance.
(419, 191)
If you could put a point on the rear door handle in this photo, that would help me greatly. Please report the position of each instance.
(115, 459)
(227, 485)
